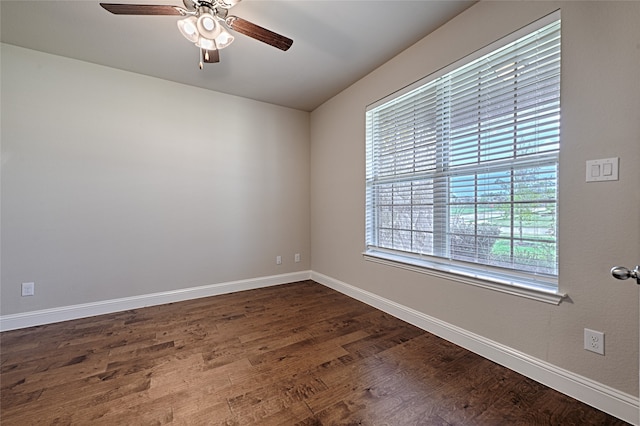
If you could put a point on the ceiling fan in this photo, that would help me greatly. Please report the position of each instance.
(206, 24)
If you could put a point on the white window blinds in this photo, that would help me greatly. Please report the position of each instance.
(462, 168)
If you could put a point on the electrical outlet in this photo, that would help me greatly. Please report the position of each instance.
(28, 289)
(594, 341)
(296, 257)
(278, 260)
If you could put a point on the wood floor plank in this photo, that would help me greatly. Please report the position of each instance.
(295, 354)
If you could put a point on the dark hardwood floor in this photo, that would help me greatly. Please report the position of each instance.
(293, 354)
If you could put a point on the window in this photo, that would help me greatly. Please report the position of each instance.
(462, 167)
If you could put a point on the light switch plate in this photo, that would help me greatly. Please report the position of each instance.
(603, 169)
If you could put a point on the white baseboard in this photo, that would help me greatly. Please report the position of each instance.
(598, 395)
(65, 313)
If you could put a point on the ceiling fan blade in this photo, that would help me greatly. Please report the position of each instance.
(259, 33)
(142, 9)
(210, 56)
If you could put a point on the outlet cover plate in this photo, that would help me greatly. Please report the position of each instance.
(28, 289)
(594, 341)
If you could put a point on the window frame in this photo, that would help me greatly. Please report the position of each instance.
(530, 285)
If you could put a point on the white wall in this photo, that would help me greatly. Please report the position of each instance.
(599, 222)
(116, 184)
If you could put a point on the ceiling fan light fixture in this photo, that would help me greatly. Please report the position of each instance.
(224, 39)
(207, 26)
(189, 29)
(207, 44)
(208, 23)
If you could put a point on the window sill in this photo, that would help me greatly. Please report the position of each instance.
(511, 286)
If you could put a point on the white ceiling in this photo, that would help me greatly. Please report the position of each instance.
(335, 42)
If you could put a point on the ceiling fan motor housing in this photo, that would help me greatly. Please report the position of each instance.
(227, 4)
